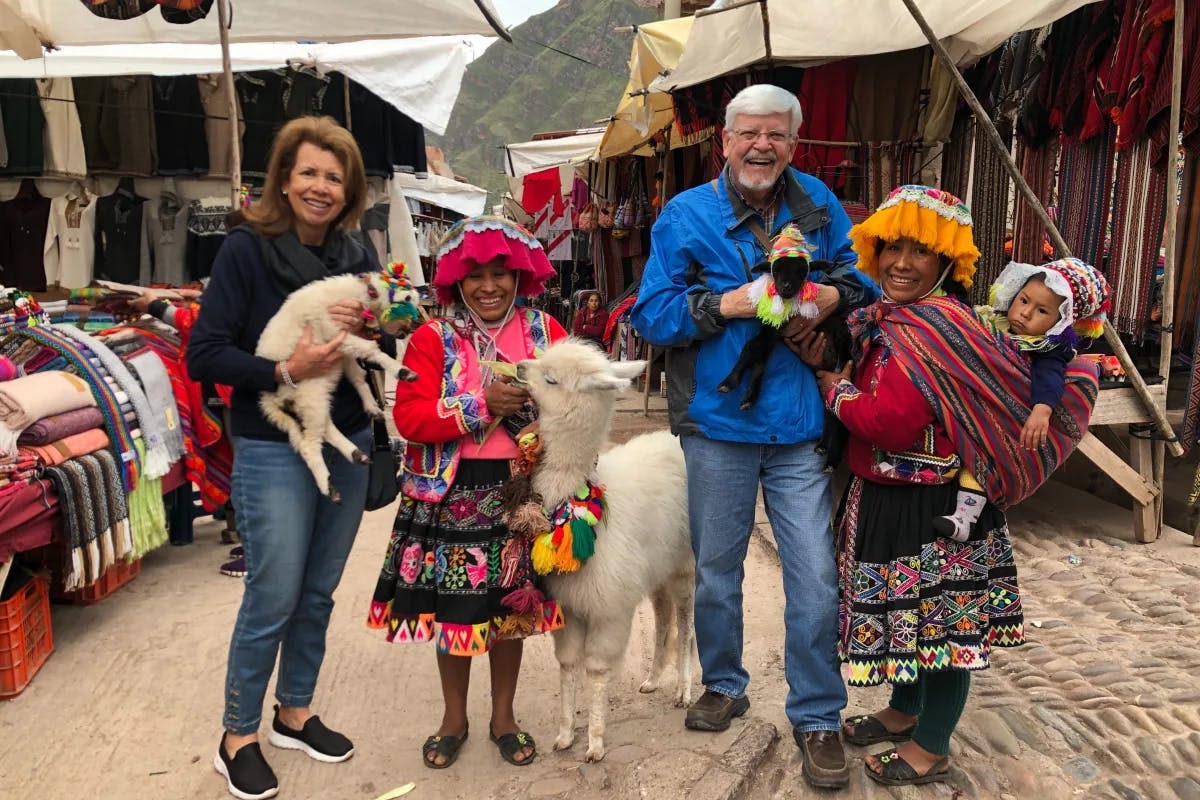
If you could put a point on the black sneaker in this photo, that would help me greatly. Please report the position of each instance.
(314, 739)
(247, 775)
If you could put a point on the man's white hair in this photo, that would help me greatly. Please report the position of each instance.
(761, 99)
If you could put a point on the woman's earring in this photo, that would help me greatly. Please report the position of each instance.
(283, 192)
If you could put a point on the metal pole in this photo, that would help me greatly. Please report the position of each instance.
(235, 144)
(672, 9)
(983, 120)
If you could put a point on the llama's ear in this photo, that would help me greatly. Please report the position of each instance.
(627, 369)
(603, 383)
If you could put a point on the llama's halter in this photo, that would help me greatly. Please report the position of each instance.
(396, 281)
(563, 536)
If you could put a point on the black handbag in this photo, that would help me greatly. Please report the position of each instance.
(383, 485)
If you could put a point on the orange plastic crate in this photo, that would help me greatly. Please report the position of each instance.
(113, 578)
(26, 639)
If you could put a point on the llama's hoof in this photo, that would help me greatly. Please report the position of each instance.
(683, 697)
(407, 375)
(724, 388)
(746, 405)
(565, 740)
(335, 496)
(649, 686)
(359, 457)
(595, 752)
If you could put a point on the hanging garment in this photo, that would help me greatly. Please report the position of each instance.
(70, 247)
(167, 229)
(885, 103)
(1138, 214)
(825, 100)
(261, 96)
(1160, 100)
(205, 234)
(1127, 81)
(24, 126)
(137, 150)
(369, 122)
(23, 222)
(122, 247)
(64, 134)
(94, 101)
(407, 138)
(214, 96)
(303, 93)
(181, 142)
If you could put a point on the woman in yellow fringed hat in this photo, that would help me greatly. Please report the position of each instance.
(934, 389)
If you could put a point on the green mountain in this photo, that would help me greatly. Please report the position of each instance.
(565, 69)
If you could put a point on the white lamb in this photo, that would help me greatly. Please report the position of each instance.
(303, 412)
(642, 542)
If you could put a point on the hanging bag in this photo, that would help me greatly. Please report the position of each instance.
(383, 484)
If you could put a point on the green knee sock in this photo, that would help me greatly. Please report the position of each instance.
(909, 698)
(945, 696)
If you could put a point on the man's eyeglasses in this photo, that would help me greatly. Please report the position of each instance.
(774, 137)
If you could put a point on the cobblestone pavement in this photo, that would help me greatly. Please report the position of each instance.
(1103, 701)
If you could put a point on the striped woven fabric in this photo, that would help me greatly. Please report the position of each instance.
(1085, 194)
(1138, 215)
(106, 400)
(1029, 234)
(977, 382)
(989, 209)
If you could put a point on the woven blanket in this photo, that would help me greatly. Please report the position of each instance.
(118, 504)
(977, 381)
(60, 426)
(73, 446)
(25, 400)
(153, 425)
(1138, 215)
(106, 399)
(154, 378)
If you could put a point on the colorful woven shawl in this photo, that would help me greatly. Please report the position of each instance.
(106, 400)
(978, 382)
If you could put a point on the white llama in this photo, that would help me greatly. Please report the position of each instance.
(642, 542)
(302, 411)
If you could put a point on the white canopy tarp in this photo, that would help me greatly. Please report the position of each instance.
(421, 77)
(732, 39)
(524, 158)
(443, 192)
(68, 22)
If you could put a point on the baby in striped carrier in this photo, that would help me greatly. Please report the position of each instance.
(1045, 309)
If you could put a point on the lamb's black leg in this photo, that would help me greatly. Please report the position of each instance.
(762, 345)
(833, 441)
(739, 369)
(757, 371)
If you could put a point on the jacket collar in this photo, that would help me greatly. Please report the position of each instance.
(798, 204)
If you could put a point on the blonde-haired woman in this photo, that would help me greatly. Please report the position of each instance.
(296, 541)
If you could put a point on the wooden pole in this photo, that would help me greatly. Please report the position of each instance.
(1167, 323)
(235, 146)
(982, 119)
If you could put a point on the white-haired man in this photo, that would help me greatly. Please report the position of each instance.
(694, 298)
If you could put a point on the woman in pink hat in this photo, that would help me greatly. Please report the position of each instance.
(453, 573)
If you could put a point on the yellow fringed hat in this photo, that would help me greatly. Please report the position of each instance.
(935, 218)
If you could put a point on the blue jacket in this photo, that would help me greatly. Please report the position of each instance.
(701, 247)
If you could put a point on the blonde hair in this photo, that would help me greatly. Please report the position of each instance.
(272, 214)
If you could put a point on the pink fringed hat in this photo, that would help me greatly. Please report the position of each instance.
(478, 240)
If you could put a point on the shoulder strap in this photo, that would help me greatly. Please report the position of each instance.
(755, 228)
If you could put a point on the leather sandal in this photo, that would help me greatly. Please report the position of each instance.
(447, 747)
(868, 730)
(512, 743)
(895, 771)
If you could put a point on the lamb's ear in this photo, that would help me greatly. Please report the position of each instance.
(627, 369)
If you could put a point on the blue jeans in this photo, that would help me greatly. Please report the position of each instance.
(723, 481)
(296, 544)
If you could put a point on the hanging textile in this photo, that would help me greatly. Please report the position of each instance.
(1125, 84)
(24, 125)
(989, 208)
(825, 104)
(1085, 194)
(63, 135)
(1187, 257)
(182, 143)
(1160, 100)
(1030, 241)
(956, 157)
(1138, 214)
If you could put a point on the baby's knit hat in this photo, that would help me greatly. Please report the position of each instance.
(1083, 289)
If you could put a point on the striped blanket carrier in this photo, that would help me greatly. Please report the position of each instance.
(978, 384)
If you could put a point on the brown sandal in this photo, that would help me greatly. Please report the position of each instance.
(868, 730)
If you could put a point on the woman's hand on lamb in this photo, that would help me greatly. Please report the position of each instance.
(503, 397)
(348, 315)
(827, 380)
(827, 302)
(810, 347)
(310, 359)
